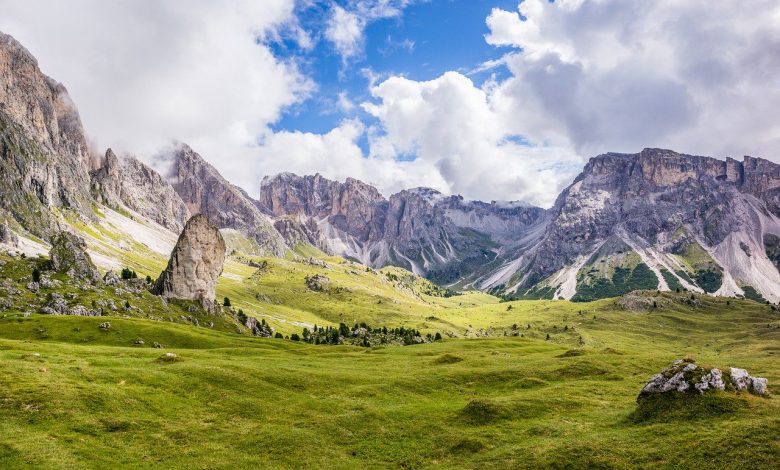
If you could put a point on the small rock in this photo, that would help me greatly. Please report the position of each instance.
(139, 342)
(157, 345)
(111, 279)
(740, 378)
(105, 325)
(33, 286)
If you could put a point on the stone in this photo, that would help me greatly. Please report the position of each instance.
(7, 236)
(759, 386)
(317, 282)
(56, 305)
(82, 311)
(139, 342)
(156, 345)
(68, 254)
(195, 264)
(105, 326)
(111, 279)
(33, 286)
(681, 377)
(740, 379)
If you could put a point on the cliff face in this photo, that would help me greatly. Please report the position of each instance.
(445, 238)
(44, 158)
(130, 183)
(691, 220)
(205, 191)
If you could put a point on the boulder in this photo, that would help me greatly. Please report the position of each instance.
(111, 279)
(317, 282)
(684, 375)
(7, 236)
(195, 264)
(68, 254)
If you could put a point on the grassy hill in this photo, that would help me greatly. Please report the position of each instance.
(521, 384)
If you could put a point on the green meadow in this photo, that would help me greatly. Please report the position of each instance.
(521, 384)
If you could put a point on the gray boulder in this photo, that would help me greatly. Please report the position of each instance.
(685, 375)
(195, 264)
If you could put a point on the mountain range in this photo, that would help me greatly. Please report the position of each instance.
(656, 219)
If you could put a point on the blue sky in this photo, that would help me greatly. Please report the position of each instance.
(428, 38)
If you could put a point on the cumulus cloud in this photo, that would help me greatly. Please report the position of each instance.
(696, 76)
(345, 27)
(142, 75)
(452, 125)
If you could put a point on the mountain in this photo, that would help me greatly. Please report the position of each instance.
(652, 220)
(205, 191)
(127, 182)
(443, 237)
(659, 220)
(44, 157)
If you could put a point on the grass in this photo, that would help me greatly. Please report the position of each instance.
(73, 395)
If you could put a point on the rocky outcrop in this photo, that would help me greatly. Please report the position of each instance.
(69, 255)
(444, 237)
(685, 376)
(195, 264)
(7, 236)
(127, 182)
(44, 157)
(695, 222)
(205, 191)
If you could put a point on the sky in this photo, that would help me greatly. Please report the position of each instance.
(490, 99)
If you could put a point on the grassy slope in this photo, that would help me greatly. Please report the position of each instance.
(234, 401)
(91, 399)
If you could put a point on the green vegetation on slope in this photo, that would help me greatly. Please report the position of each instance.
(75, 396)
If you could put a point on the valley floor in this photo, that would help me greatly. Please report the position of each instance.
(75, 396)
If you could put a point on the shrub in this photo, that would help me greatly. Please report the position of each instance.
(295, 337)
(437, 337)
(36, 275)
(278, 336)
(226, 302)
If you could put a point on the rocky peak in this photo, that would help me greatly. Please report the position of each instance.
(205, 191)
(38, 103)
(195, 264)
(127, 182)
(44, 160)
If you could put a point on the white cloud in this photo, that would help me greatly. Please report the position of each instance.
(142, 75)
(453, 126)
(696, 76)
(345, 27)
(336, 155)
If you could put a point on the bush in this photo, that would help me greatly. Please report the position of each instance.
(226, 302)
(278, 336)
(295, 337)
(36, 275)
(127, 273)
(437, 337)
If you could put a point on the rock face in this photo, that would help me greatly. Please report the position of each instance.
(445, 238)
(685, 376)
(128, 182)
(692, 222)
(195, 264)
(44, 157)
(7, 236)
(69, 255)
(205, 191)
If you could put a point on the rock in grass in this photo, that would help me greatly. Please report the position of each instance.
(7, 236)
(68, 254)
(105, 325)
(195, 264)
(685, 376)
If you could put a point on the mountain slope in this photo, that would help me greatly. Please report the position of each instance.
(44, 158)
(443, 237)
(695, 222)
